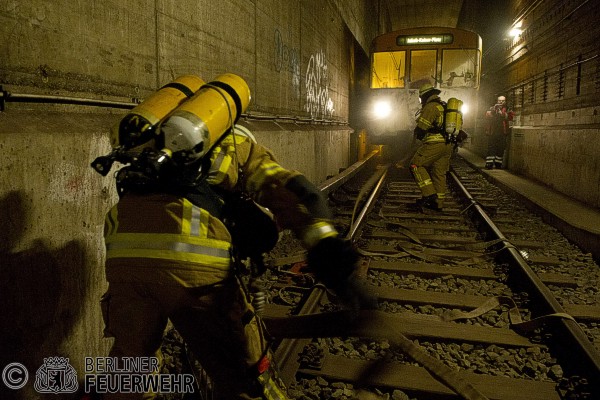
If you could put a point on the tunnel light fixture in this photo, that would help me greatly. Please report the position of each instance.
(516, 29)
(514, 32)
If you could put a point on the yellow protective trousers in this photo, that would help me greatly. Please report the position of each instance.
(217, 322)
(429, 166)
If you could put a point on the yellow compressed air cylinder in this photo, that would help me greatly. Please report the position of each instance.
(139, 125)
(459, 116)
(453, 115)
(198, 124)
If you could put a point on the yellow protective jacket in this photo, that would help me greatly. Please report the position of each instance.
(169, 236)
(431, 120)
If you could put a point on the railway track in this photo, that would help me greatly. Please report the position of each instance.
(472, 303)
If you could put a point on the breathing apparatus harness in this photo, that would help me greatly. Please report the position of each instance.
(451, 127)
(184, 172)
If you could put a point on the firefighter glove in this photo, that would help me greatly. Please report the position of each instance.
(419, 133)
(333, 260)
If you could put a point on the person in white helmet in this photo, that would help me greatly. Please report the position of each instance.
(498, 129)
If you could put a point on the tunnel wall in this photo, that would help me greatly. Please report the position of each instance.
(294, 55)
(549, 75)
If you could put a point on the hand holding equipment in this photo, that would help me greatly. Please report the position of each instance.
(334, 261)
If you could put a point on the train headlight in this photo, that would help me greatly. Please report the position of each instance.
(382, 109)
(464, 109)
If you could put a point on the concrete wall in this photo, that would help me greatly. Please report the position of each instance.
(51, 254)
(550, 77)
(295, 56)
(562, 150)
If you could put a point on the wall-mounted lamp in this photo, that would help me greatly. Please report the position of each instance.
(516, 30)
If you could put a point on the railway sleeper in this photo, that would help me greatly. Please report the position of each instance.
(417, 379)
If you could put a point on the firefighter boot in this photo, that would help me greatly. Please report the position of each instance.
(498, 162)
(429, 202)
(489, 162)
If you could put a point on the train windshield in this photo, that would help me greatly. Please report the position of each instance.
(408, 58)
(422, 67)
(459, 68)
(388, 70)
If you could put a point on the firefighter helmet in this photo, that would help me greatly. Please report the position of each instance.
(427, 89)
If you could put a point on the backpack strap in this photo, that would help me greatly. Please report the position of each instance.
(442, 129)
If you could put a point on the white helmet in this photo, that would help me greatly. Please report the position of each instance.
(501, 99)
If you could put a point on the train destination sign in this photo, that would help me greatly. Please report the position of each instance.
(404, 40)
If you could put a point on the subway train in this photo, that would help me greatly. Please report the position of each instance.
(401, 61)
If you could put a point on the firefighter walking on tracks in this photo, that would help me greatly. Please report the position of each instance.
(431, 161)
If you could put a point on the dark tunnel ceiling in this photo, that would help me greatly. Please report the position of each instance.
(414, 13)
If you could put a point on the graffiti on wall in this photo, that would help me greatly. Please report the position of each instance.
(287, 59)
(318, 102)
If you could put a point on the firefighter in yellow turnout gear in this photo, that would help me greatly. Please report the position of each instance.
(432, 159)
(169, 251)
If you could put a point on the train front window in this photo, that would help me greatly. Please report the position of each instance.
(422, 67)
(460, 68)
(388, 70)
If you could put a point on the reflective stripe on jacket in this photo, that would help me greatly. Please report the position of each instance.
(169, 232)
(431, 120)
(181, 233)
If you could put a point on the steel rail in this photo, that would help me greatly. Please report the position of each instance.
(355, 323)
(367, 206)
(568, 329)
(338, 180)
(286, 354)
(287, 351)
(575, 340)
